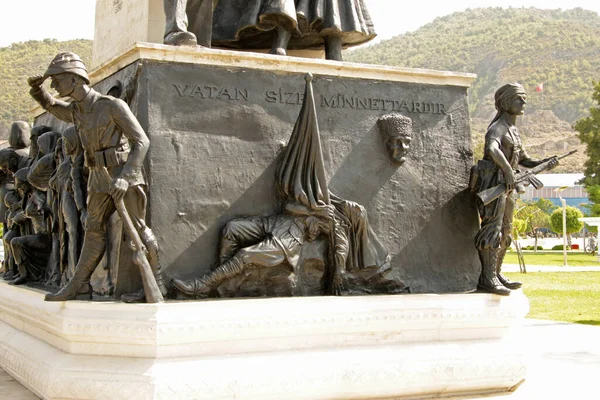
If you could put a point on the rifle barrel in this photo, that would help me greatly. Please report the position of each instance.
(566, 155)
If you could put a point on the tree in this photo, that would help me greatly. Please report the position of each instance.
(594, 197)
(535, 214)
(519, 227)
(589, 134)
(546, 206)
(573, 223)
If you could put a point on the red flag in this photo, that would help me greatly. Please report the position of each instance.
(539, 88)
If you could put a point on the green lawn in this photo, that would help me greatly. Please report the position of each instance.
(562, 296)
(574, 258)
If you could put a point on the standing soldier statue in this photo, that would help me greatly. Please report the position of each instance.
(114, 144)
(497, 173)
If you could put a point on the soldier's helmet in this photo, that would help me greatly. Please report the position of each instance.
(68, 62)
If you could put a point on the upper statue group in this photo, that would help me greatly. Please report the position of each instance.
(277, 25)
(60, 188)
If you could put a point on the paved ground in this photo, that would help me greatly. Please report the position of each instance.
(12, 390)
(564, 364)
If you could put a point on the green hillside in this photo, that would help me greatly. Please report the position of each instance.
(21, 60)
(528, 45)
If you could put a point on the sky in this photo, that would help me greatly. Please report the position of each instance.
(23, 20)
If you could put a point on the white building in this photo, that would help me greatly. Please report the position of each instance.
(575, 194)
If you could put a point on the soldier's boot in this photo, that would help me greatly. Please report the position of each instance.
(11, 269)
(281, 40)
(488, 281)
(9, 275)
(21, 277)
(202, 287)
(181, 39)
(79, 288)
(151, 244)
(500, 259)
(504, 280)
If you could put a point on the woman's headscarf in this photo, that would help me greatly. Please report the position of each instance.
(504, 96)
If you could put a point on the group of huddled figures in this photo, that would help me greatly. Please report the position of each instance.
(44, 204)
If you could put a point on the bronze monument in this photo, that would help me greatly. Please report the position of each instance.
(113, 143)
(503, 154)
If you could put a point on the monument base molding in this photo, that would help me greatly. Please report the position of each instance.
(301, 348)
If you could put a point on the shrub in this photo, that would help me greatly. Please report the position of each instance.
(560, 247)
(532, 247)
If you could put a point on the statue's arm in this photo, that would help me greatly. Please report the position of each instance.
(131, 128)
(325, 211)
(297, 209)
(19, 217)
(60, 109)
(78, 183)
(528, 162)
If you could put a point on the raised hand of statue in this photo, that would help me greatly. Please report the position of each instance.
(36, 80)
(118, 188)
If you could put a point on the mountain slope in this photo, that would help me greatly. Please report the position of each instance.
(528, 45)
(22, 60)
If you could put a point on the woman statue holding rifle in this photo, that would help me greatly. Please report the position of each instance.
(503, 154)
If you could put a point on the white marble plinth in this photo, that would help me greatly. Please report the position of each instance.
(300, 348)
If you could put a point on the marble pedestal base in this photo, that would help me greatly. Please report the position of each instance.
(283, 348)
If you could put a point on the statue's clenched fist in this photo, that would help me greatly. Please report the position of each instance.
(35, 81)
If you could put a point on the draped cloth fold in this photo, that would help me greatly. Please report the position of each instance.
(301, 175)
(250, 23)
(301, 179)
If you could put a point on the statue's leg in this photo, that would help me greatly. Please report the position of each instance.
(333, 48)
(18, 252)
(200, 20)
(203, 286)
(71, 224)
(280, 41)
(4, 268)
(100, 206)
(176, 32)
(487, 242)
(9, 261)
(264, 254)
(505, 242)
(239, 233)
(32, 253)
